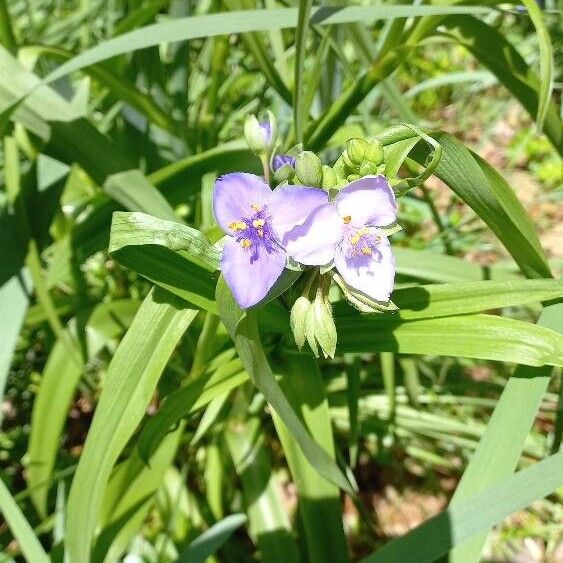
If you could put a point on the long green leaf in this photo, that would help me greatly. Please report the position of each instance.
(128, 387)
(462, 521)
(139, 229)
(144, 244)
(183, 29)
(244, 332)
(496, 204)
(211, 540)
(22, 531)
(447, 300)
(57, 387)
(492, 49)
(319, 500)
(269, 525)
(501, 445)
(484, 337)
(129, 495)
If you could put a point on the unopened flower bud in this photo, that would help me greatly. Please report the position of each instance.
(366, 169)
(260, 136)
(329, 177)
(325, 329)
(283, 160)
(309, 169)
(356, 150)
(374, 152)
(297, 320)
(284, 168)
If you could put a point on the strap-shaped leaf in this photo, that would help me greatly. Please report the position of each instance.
(182, 29)
(448, 300)
(244, 331)
(140, 229)
(491, 198)
(461, 521)
(501, 445)
(128, 387)
(151, 246)
(484, 337)
(488, 45)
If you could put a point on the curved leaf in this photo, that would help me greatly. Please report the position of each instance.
(244, 332)
(484, 337)
(128, 387)
(460, 522)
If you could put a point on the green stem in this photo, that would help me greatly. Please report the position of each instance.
(437, 220)
(204, 345)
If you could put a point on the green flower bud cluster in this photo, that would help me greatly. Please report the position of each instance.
(361, 158)
(311, 319)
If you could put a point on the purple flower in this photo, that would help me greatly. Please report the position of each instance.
(281, 160)
(257, 220)
(347, 232)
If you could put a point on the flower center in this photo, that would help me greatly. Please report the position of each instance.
(361, 242)
(254, 232)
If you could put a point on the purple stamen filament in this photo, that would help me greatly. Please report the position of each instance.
(254, 232)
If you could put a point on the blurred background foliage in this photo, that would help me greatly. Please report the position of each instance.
(149, 130)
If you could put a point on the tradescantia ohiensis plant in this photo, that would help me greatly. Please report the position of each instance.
(338, 223)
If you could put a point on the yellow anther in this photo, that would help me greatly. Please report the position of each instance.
(355, 239)
(246, 243)
(366, 250)
(347, 219)
(256, 207)
(258, 223)
(238, 226)
(260, 232)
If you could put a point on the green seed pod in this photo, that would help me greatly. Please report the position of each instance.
(309, 169)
